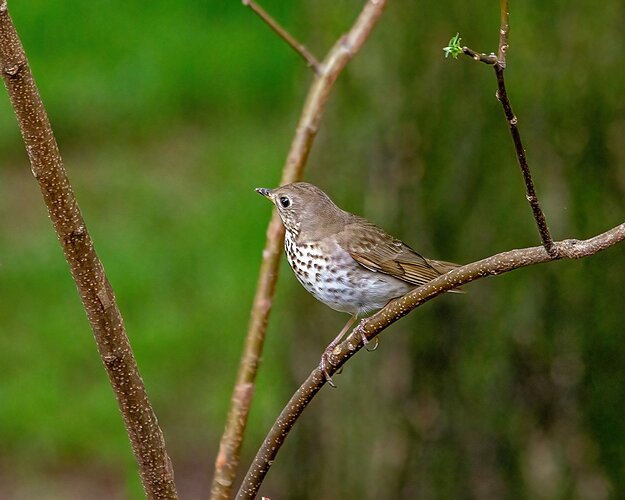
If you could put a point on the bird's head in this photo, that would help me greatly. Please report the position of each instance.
(302, 206)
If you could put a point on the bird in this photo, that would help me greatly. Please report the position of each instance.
(342, 259)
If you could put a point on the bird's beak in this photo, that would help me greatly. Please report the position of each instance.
(264, 191)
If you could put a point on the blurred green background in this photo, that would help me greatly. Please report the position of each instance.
(169, 114)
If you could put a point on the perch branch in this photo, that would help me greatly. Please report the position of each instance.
(93, 286)
(285, 35)
(498, 62)
(370, 327)
(341, 53)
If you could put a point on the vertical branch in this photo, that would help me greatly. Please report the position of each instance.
(341, 53)
(93, 286)
(504, 30)
(530, 191)
(502, 95)
(499, 64)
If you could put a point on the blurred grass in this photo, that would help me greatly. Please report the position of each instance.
(168, 115)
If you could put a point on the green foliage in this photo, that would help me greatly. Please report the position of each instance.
(170, 114)
(453, 49)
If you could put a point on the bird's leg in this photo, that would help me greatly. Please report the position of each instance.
(325, 357)
(364, 338)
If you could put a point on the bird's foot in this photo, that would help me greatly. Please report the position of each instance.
(325, 364)
(366, 342)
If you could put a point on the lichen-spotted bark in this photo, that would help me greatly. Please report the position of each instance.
(94, 288)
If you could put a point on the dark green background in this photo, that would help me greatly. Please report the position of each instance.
(168, 114)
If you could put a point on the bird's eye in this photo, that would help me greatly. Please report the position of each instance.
(285, 202)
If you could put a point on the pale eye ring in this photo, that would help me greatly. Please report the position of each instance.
(285, 202)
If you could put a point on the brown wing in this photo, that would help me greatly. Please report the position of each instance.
(376, 250)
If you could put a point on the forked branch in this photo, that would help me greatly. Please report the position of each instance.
(370, 327)
(499, 64)
(93, 286)
(341, 53)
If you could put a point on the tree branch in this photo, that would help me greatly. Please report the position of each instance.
(530, 192)
(504, 30)
(341, 53)
(490, 59)
(499, 64)
(285, 35)
(93, 286)
(372, 326)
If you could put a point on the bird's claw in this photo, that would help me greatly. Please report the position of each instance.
(365, 342)
(324, 365)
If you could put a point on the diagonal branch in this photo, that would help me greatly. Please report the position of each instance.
(93, 286)
(499, 64)
(341, 53)
(530, 191)
(285, 35)
(370, 327)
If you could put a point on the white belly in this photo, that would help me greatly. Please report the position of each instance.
(340, 282)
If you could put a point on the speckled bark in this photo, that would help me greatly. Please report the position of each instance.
(95, 291)
(370, 327)
(327, 72)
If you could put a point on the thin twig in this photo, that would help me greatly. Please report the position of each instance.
(370, 327)
(93, 286)
(530, 192)
(499, 64)
(341, 53)
(285, 35)
(480, 56)
(504, 30)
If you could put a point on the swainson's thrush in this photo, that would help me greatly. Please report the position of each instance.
(343, 260)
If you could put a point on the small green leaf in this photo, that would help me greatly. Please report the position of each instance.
(454, 48)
